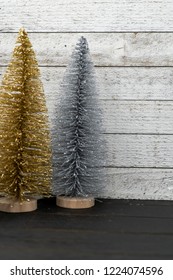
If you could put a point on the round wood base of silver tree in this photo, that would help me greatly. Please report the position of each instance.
(16, 206)
(75, 202)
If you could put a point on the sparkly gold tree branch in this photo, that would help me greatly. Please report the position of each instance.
(25, 153)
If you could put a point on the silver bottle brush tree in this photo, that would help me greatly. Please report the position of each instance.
(77, 139)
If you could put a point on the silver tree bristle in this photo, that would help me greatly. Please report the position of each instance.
(78, 146)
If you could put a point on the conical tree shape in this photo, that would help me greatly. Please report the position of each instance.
(25, 152)
(77, 141)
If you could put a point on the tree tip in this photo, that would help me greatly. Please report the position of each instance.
(22, 31)
(83, 39)
(83, 43)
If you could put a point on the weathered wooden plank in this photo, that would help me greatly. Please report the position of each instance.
(107, 49)
(86, 15)
(91, 244)
(138, 183)
(117, 83)
(119, 116)
(137, 117)
(130, 225)
(139, 150)
(127, 224)
(90, 227)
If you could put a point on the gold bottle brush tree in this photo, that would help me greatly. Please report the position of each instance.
(25, 149)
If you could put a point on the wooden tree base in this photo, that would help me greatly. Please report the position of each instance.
(75, 202)
(16, 206)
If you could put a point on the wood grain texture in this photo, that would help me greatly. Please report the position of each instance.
(124, 83)
(90, 244)
(139, 150)
(15, 206)
(86, 15)
(75, 202)
(149, 117)
(112, 229)
(138, 183)
(107, 49)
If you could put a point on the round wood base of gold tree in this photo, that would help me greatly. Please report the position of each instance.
(75, 202)
(17, 206)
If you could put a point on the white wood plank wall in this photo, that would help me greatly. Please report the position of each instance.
(131, 44)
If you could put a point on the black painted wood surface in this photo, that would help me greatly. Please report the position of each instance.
(112, 229)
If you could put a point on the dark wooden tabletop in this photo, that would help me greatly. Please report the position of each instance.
(112, 229)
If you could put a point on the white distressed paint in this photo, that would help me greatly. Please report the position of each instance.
(86, 15)
(137, 150)
(139, 183)
(138, 116)
(107, 49)
(119, 83)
